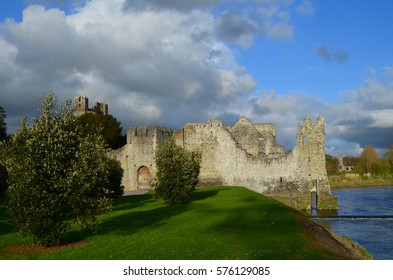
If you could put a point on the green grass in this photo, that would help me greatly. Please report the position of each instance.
(217, 223)
(342, 181)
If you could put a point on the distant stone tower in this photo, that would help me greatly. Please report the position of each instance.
(341, 165)
(81, 107)
(340, 162)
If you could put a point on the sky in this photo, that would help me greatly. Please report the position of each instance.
(171, 62)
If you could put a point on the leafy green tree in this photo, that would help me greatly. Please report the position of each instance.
(105, 125)
(388, 156)
(368, 158)
(3, 125)
(177, 172)
(381, 167)
(58, 175)
(115, 175)
(331, 164)
(3, 180)
(358, 169)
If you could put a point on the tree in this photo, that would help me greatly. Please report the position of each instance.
(58, 175)
(388, 156)
(115, 175)
(368, 158)
(3, 125)
(177, 172)
(3, 180)
(331, 164)
(105, 125)
(381, 167)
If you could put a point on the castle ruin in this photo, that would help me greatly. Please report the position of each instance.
(342, 167)
(81, 107)
(245, 154)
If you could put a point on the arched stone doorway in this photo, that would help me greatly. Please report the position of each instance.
(144, 178)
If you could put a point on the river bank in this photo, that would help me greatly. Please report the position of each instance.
(351, 180)
(365, 215)
(218, 223)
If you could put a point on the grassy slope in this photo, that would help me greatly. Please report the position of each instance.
(218, 223)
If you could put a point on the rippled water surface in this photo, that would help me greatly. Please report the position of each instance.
(366, 215)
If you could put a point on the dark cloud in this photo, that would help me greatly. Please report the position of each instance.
(152, 67)
(170, 4)
(353, 121)
(378, 137)
(173, 64)
(323, 53)
(367, 117)
(235, 28)
(335, 54)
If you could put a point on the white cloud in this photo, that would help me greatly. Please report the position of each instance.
(144, 63)
(168, 63)
(363, 117)
(163, 54)
(275, 19)
(306, 8)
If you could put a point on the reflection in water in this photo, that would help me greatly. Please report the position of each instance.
(366, 215)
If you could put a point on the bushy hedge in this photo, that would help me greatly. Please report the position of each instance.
(58, 175)
(177, 172)
(3, 180)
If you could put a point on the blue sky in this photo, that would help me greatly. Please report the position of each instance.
(168, 62)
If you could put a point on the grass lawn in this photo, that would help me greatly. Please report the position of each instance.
(217, 223)
(356, 181)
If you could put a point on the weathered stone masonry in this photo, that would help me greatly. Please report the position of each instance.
(137, 156)
(244, 154)
(247, 155)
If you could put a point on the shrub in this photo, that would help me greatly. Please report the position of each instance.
(57, 175)
(3, 180)
(177, 172)
(115, 176)
(381, 167)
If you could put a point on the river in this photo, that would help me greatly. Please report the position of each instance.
(365, 215)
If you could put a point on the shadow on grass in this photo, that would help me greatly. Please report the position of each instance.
(131, 221)
(131, 202)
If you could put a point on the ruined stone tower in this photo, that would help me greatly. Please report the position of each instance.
(310, 155)
(81, 107)
(341, 165)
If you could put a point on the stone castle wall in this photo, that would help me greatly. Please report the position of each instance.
(137, 156)
(244, 154)
(231, 158)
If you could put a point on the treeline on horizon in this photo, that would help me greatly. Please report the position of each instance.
(368, 162)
